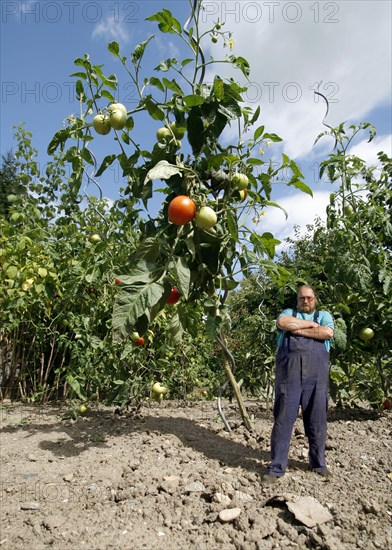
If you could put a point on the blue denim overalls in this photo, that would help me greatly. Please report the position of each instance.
(301, 378)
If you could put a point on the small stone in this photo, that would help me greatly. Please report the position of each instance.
(30, 506)
(172, 479)
(243, 497)
(132, 502)
(221, 498)
(194, 487)
(37, 529)
(169, 487)
(68, 477)
(229, 514)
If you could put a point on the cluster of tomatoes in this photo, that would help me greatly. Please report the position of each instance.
(183, 209)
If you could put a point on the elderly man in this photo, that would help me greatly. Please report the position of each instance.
(301, 379)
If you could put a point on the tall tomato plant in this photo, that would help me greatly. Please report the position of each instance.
(201, 263)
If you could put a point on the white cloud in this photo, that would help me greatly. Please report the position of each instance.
(343, 45)
(302, 210)
(111, 29)
(368, 151)
(166, 47)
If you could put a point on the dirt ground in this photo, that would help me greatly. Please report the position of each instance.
(162, 477)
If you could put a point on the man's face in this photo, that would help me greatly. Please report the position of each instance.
(306, 301)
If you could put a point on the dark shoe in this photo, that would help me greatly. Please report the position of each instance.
(323, 473)
(270, 479)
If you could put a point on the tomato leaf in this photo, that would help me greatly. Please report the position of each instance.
(59, 140)
(241, 63)
(166, 22)
(232, 225)
(193, 100)
(154, 81)
(186, 61)
(182, 275)
(131, 303)
(114, 48)
(87, 155)
(299, 184)
(276, 205)
(265, 243)
(172, 85)
(272, 137)
(218, 88)
(153, 110)
(166, 65)
(258, 132)
(107, 95)
(162, 171)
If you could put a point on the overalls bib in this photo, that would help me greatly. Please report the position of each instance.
(301, 379)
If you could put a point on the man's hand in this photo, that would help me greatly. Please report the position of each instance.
(318, 332)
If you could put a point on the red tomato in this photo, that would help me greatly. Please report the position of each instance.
(117, 282)
(181, 210)
(139, 342)
(387, 405)
(174, 296)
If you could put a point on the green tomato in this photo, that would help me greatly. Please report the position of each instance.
(117, 107)
(243, 194)
(158, 389)
(94, 239)
(158, 397)
(135, 337)
(178, 131)
(214, 39)
(117, 116)
(240, 180)
(348, 210)
(12, 199)
(82, 410)
(205, 218)
(163, 134)
(101, 124)
(366, 334)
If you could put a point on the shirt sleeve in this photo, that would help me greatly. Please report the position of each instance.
(287, 311)
(327, 320)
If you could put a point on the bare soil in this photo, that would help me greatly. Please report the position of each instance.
(159, 478)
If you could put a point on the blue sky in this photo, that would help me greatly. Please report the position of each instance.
(343, 45)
